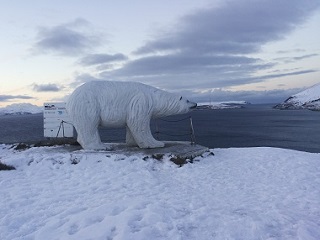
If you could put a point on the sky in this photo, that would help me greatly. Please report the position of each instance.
(261, 51)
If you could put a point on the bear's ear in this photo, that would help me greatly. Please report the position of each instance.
(180, 98)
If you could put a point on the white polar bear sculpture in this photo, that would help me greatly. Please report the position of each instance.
(121, 104)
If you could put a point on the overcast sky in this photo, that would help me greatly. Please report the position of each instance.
(259, 51)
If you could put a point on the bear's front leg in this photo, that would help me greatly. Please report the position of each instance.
(130, 141)
(141, 133)
(138, 122)
(90, 140)
(88, 134)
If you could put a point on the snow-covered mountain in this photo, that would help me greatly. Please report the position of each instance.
(20, 108)
(307, 99)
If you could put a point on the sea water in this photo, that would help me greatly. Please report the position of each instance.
(252, 126)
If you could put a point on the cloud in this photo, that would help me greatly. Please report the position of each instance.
(236, 27)
(96, 59)
(202, 93)
(81, 78)
(297, 50)
(182, 63)
(50, 87)
(256, 97)
(295, 59)
(305, 56)
(5, 98)
(213, 47)
(69, 39)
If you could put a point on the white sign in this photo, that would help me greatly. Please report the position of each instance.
(56, 120)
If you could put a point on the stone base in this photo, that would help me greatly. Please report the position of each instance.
(184, 150)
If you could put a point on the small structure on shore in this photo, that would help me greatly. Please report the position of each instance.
(56, 122)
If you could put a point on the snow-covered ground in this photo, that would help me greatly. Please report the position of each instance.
(247, 193)
(20, 108)
(309, 99)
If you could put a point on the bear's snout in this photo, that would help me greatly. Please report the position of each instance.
(193, 105)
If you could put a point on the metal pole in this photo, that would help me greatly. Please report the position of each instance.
(157, 129)
(63, 127)
(193, 138)
(59, 130)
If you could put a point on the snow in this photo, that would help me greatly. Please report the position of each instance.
(245, 193)
(308, 95)
(309, 98)
(20, 108)
(222, 105)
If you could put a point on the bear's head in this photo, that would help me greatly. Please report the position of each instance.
(171, 104)
(185, 105)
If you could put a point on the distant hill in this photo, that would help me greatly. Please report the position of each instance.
(307, 99)
(20, 108)
(222, 105)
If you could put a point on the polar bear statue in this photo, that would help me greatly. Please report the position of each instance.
(121, 104)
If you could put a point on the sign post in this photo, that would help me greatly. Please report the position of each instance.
(56, 121)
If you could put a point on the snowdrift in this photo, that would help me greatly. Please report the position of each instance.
(249, 193)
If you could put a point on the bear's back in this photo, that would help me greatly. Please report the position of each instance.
(114, 88)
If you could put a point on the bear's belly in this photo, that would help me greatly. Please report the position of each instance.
(113, 120)
(113, 124)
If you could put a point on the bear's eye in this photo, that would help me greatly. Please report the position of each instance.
(180, 98)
